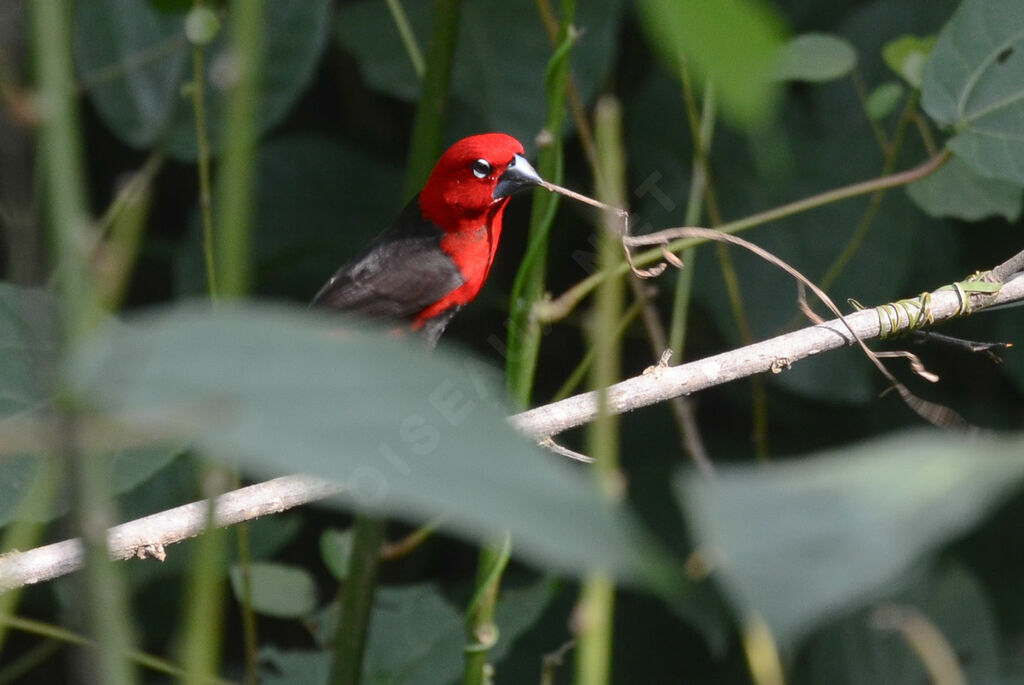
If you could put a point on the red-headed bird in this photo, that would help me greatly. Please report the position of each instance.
(435, 257)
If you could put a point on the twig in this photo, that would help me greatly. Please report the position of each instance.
(551, 445)
(989, 349)
(934, 413)
(552, 310)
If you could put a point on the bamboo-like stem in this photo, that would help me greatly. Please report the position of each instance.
(103, 598)
(597, 598)
(234, 207)
(232, 264)
(560, 307)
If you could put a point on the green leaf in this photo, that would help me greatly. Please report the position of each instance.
(135, 60)
(408, 434)
(417, 637)
(815, 57)
(805, 539)
(132, 59)
(856, 650)
(335, 550)
(974, 83)
(294, 667)
(734, 44)
(500, 58)
(883, 100)
(907, 56)
(278, 590)
(957, 190)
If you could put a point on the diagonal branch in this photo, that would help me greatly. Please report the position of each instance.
(148, 536)
(775, 354)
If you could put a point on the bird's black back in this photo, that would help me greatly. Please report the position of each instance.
(399, 274)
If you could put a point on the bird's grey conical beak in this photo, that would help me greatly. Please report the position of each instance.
(518, 175)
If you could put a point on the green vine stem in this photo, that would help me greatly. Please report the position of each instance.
(203, 162)
(481, 631)
(524, 331)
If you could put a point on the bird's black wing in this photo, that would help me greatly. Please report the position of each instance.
(403, 271)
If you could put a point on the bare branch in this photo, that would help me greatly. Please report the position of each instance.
(146, 537)
(774, 354)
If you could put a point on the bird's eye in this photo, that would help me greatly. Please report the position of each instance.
(481, 168)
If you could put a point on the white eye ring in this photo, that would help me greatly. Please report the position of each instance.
(481, 168)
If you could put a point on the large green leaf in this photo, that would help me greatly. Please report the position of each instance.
(409, 434)
(974, 83)
(135, 60)
(802, 540)
(735, 44)
(500, 57)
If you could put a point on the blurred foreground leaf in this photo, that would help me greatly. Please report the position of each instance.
(856, 649)
(734, 44)
(802, 540)
(413, 435)
(28, 374)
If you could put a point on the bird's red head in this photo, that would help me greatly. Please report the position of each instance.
(475, 176)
